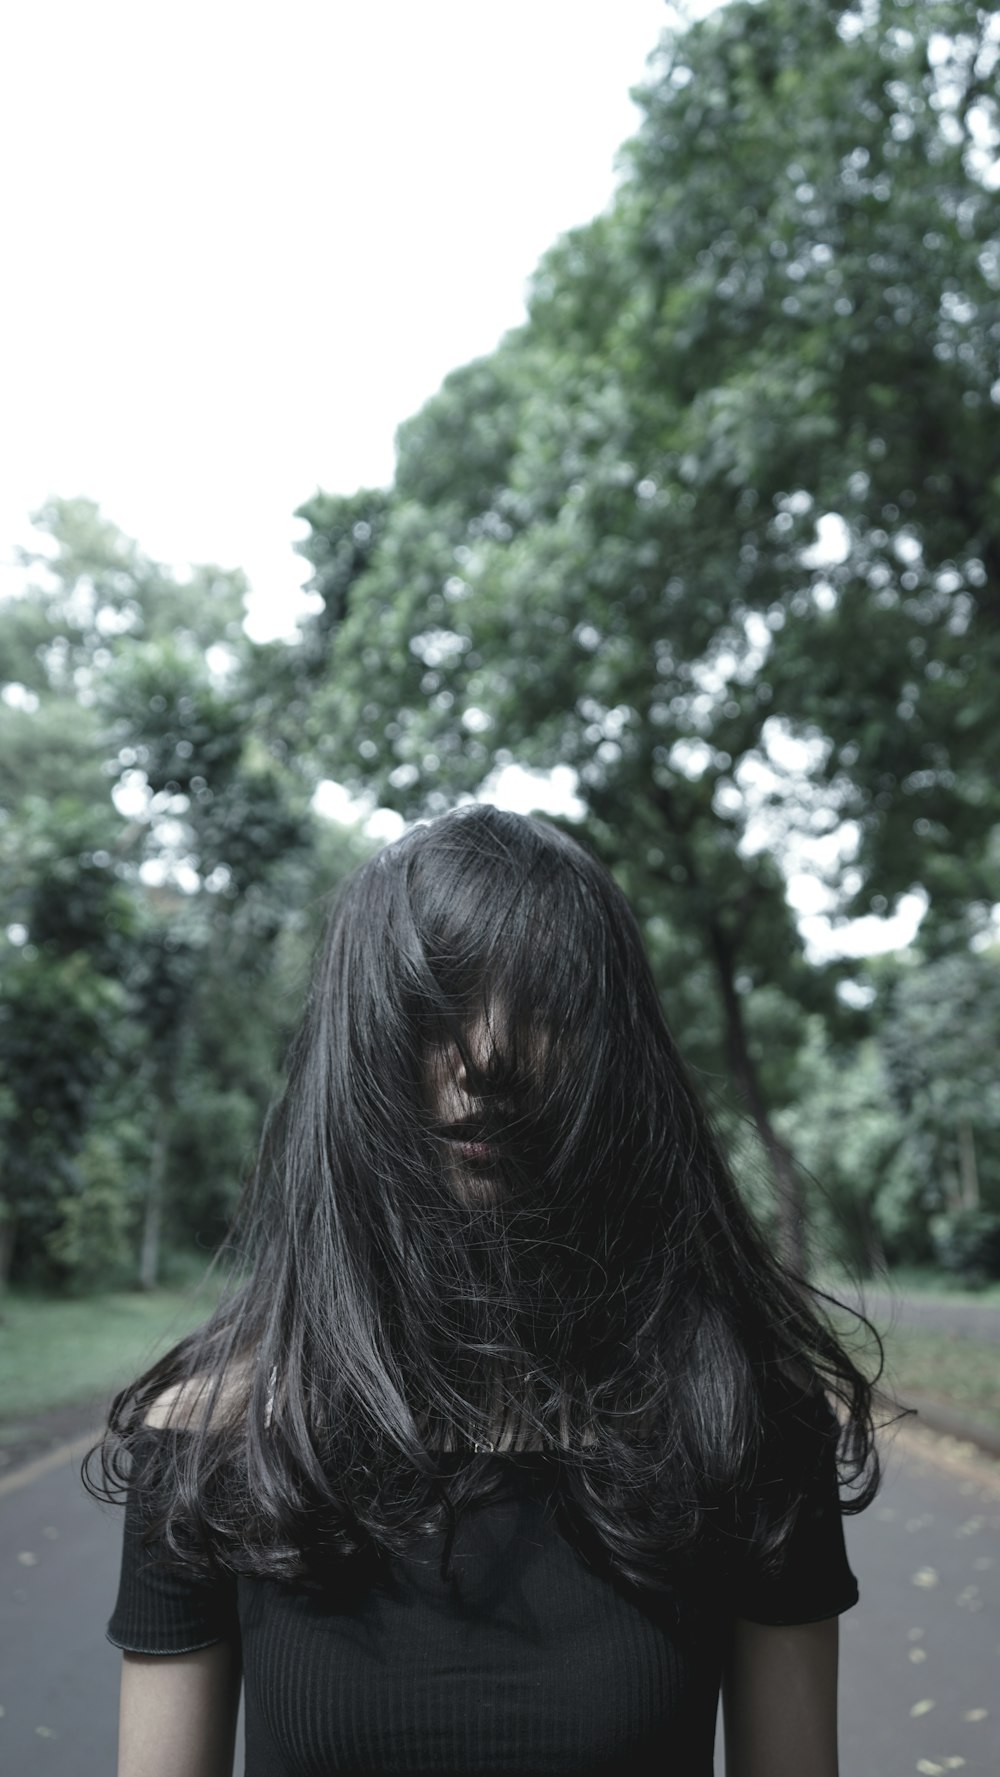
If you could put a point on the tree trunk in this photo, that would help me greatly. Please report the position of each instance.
(149, 1260)
(871, 1253)
(788, 1189)
(8, 1233)
(877, 1260)
(969, 1188)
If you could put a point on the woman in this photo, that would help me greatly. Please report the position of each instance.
(510, 1442)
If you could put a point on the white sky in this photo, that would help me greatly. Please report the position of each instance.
(244, 241)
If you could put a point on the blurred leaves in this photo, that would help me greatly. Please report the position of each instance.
(719, 525)
(158, 856)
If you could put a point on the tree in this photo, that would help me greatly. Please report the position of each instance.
(62, 1012)
(597, 549)
(176, 861)
(845, 1129)
(938, 1041)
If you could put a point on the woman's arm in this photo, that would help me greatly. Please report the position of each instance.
(177, 1713)
(779, 1699)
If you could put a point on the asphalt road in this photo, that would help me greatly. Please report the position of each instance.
(960, 1320)
(920, 1651)
(919, 1662)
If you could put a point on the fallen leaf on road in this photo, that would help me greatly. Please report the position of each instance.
(922, 1707)
(925, 1576)
(917, 1654)
(975, 1715)
(27, 1559)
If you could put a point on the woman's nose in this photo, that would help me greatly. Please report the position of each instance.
(466, 1061)
(462, 1075)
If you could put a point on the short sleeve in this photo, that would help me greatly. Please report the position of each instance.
(165, 1610)
(813, 1580)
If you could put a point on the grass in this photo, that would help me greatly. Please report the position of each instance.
(57, 1351)
(918, 1282)
(920, 1362)
(963, 1374)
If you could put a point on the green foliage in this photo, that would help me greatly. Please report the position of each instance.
(93, 593)
(160, 864)
(62, 1010)
(170, 716)
(599, 551)
(819, 174)
(846, 1136)
(907, 1123)
(595, 551)
(49, 749)
(938, 1040)
(93, 1241)
(58, 868)
(601, 545)
(345, 534)
(967, 1242)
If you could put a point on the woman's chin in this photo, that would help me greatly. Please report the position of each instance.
(476, 1184)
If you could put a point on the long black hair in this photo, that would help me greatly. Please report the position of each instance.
(490, 1205)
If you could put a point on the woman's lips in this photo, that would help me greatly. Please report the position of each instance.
(475, 1150)
(470, 1148)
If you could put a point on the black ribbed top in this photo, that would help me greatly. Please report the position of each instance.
(526, 1660)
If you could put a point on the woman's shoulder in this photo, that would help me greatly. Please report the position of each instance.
(186, 1405)
(179, 1408)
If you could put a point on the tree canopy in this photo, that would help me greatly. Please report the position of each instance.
(719, 525)
(164, 872)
